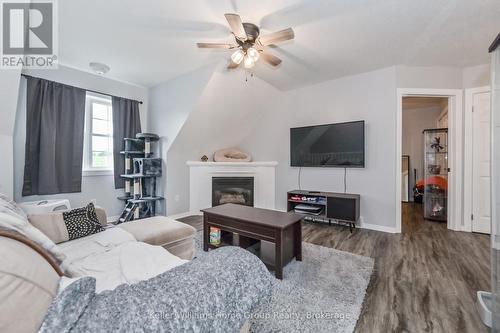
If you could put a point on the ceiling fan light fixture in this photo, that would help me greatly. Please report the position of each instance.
(253, 54)
(238, 56)
(249, 46)
(249, 62)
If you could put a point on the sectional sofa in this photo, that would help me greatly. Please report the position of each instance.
(144, 262)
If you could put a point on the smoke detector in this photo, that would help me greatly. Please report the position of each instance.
(99, 68)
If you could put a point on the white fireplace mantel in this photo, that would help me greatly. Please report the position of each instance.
(201, 174)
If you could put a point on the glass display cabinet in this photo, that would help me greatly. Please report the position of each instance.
(436, 174)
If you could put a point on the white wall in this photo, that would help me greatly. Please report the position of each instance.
(256, 117)
(476, 76)
(169, 106)
(370, 97)
(99, 188)
(429, 77)
(226, 111)
(415, 120)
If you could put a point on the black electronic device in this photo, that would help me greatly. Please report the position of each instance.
(332, 145)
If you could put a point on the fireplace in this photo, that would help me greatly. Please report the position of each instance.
(237, 190)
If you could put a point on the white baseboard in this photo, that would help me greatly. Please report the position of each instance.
(181, 215)
(376, 227)
(113, 218)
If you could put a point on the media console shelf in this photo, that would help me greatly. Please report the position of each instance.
(341, 208)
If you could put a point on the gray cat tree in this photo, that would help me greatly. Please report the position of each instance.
(141, 171)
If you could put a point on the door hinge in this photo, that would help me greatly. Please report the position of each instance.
(472, 108)
(472, 217)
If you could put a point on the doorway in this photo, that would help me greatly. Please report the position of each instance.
(477, 192)
(425, 144)
(441, 174)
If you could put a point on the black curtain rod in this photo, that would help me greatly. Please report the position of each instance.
(89, 90)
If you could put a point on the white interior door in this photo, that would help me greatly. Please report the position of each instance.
(481, 161)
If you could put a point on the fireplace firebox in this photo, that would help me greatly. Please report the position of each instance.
(237, 190)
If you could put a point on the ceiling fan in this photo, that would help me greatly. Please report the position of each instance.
(250, 45)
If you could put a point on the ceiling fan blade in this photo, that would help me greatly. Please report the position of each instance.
(270, 59)
(276, 37)
(214, 46)
(236, 26)
(232, 65)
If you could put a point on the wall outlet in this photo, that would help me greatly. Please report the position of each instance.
(177, 198)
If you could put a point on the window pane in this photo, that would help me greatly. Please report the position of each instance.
(101, 127)
(99, 111)
(101, 143)
(101, 159)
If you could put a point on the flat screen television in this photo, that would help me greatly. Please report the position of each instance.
(339, 145)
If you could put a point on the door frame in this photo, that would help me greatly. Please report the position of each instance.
(468, 148)
(455, 149)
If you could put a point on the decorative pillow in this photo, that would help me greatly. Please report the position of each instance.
(13, 218)
(231, 155)
(82, 222)
(52, 225)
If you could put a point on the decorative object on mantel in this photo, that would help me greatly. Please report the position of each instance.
(204, 158)
(231, 155)
(141, 170)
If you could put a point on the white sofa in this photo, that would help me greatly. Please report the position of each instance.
(127, 253)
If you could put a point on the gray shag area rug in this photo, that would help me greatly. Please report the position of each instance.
(323, 293)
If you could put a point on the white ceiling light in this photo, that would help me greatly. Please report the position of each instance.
(249, 62)
(99, 68)
(237, 56)
(253, 54)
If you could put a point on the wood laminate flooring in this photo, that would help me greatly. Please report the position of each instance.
(425, 279)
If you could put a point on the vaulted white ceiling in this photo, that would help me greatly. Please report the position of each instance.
(151, 41)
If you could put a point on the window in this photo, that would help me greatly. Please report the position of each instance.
(98, 143)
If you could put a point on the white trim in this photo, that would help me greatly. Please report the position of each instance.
(97, 172)
(361, 225)
(468, 148)
(185, 214)
(112, 219)
(216, 164)
(90, 98)
(377, 227)
(455, 140)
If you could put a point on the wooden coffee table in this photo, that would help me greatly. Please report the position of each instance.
(282, 229)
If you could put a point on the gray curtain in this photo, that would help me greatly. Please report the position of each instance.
(126, 124)
(55, 118)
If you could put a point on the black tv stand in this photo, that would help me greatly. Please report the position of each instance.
(339, 208)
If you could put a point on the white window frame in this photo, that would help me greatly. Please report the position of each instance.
(88, 170)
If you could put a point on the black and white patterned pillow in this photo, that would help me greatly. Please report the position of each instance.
(82, 222)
